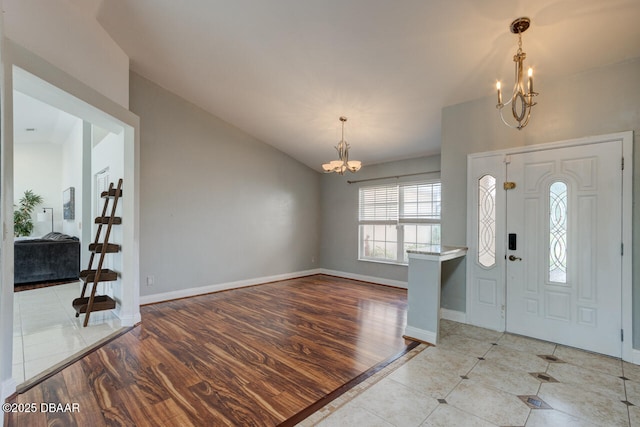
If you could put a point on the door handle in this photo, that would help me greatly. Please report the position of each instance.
(514, 258)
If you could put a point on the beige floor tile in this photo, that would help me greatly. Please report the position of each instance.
(478, 333)
(410, 408)
(509, 357)
(631, 371)
(352, 415)
(447, 416)
(514, 381)
(426, 378)
(634, 416)
(465, 345)
(527, 345)
(438, 359)
(490, 404)
(584, 404)
(588, 379)
(632, 392)
(589, 392)
(597, 362)
(553, 418)
(447, 327)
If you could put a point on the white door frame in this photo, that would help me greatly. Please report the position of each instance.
(19, 63)
(628, 353)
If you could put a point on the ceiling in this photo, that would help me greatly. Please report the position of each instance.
(37, 122)
(285, 70)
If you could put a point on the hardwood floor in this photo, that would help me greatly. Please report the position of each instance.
(254, 356)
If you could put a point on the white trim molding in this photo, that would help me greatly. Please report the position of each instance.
(191, 292)
(363, 278)
(420, 334)
(453, 315)
(628, 353)
(127, 320)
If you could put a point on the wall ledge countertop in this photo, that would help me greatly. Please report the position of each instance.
(438, 252)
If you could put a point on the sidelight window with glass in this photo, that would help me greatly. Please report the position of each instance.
(558, 232)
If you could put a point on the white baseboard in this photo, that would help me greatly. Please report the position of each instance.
(420, 334)
(453, 315)
(128, 320)
(377, 280)
(635, 357)
(190, 292)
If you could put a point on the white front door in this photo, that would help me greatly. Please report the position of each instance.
(564, 263)
(551, 257)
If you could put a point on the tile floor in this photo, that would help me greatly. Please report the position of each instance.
(478, 377)
(46, 331)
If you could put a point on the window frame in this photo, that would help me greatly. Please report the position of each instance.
(401, 217)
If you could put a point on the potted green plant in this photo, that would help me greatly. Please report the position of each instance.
(22, 221)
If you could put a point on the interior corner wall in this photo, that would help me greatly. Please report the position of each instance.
(72, 153)
(109, 155)
(66, 37)
(596, 102)
(38, 167)
(216, 205)
(339, 241)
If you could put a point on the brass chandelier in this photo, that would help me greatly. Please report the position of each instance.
(521, 99)
(343, 164)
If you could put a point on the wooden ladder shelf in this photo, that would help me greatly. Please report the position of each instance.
(93, 276)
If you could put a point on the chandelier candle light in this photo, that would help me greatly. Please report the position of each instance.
(343, 164)
(521, 101)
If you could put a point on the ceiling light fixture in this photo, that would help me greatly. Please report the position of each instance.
(343, 164)
(521, 101)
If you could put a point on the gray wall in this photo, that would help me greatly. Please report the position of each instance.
(601, 101)
(339, 241)
(216, 205)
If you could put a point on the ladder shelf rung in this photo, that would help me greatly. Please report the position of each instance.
(100, 303)
(97, 248)
(111, 193)
(105, 220)
(106, 275)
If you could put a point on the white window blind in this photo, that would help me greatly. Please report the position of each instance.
(379, 203)
(398, 217)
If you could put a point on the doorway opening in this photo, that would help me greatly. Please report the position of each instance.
(73, 142)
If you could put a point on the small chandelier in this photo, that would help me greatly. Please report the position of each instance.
(521, 101)
(343, 164)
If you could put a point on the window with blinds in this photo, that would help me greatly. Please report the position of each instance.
(396, 218)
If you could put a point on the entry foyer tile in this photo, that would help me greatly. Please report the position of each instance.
(585, 359)
(447, 416)
(490, 404)
(585, 404)
(410, 407)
